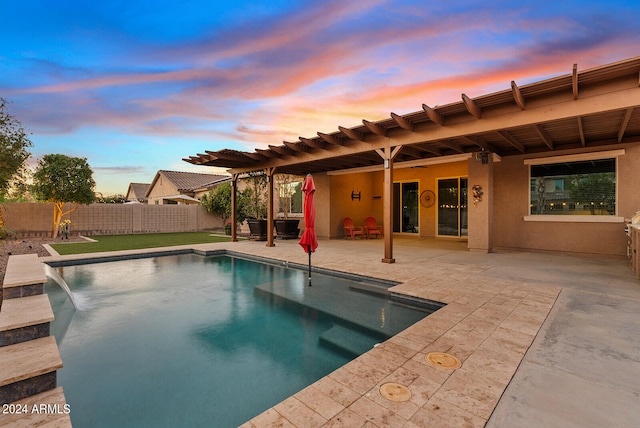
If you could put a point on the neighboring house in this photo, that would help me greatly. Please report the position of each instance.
(551, 165)
(137, 192)
(176, 187)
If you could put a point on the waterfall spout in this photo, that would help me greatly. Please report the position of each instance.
(51, 273)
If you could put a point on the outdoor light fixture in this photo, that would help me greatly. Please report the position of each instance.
(355, 195)
(482, 156)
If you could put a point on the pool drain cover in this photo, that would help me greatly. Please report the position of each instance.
(395, 392)
(443, 360)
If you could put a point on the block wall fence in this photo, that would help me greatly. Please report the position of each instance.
(35, 219)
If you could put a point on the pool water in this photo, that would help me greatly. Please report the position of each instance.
(186, 340)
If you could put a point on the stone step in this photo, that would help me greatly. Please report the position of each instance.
(47, 409)
(28, 368)
(24, 277)
(25, 318)
(347, 340)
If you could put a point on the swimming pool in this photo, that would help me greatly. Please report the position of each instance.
(186, 340)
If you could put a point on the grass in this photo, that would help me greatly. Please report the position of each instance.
(136, 242)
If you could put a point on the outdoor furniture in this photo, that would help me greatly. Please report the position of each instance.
(372, 227)
(350, 229)
(287, 229)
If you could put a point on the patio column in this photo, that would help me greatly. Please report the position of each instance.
(270, 214)
(480, 205)
(234, 207)
(387, 156)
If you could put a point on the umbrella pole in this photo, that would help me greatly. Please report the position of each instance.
(309, 251)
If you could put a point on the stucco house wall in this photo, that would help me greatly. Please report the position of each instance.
(504, 222)
(511, 187)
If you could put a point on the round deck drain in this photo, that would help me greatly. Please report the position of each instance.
(443, 360)
(395, 392)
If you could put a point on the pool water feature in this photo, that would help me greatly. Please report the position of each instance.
(186, 340)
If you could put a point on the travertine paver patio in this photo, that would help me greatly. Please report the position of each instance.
(496, 304)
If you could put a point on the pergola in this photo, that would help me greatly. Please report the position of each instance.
(582, 109)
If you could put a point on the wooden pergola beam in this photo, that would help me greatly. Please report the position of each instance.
(581, 132)
(311, 142)
(478, 142)
(454, 146)
(402, 122)
(508, 138)
(574, 81)
(517, 95)
(350, 133)
(280, 150)
(471, 106)
(375, 128)
(545, 137)
(625, 123)
(433, 115)
(296, 147)
(329, 139)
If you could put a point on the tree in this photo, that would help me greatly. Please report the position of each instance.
(61, 179)
(13, 152)
(256, 193)
(218, 201)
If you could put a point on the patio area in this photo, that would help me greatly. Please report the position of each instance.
(544, 340)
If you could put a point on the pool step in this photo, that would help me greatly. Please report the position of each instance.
(28, 368)
(29, 356)
(25, 318)
(45, 409)
(350, 341)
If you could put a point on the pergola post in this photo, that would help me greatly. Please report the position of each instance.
(387, 156)
(234, 207)
(270, 212)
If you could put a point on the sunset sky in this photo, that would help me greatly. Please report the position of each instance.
(135, 86)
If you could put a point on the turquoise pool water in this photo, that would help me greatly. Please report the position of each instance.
(186, 340)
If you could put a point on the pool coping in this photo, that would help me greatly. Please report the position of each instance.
(488, 324)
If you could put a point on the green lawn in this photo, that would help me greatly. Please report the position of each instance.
(135, 242)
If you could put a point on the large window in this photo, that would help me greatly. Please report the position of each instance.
(581, 187)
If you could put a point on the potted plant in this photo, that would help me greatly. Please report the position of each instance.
(288, 186)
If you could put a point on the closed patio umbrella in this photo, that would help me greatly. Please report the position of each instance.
(309, 242)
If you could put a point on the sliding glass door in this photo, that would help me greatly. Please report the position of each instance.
(452, 207)
(405, 207)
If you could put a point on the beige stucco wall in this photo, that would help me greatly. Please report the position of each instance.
(29, 219)
(502, 211)
(511, 184)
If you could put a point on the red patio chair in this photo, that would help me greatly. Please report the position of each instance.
(350, 229)
(372, 227)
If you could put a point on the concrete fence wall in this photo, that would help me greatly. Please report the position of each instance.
(35, 219)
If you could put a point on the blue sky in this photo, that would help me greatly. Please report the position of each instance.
(135, 86)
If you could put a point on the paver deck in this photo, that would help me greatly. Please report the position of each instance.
(500, 321)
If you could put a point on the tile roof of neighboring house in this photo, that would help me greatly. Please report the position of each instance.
(185, 181)
(139, 189)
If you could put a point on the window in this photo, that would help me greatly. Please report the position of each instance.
(582, 187)
(290, 197)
